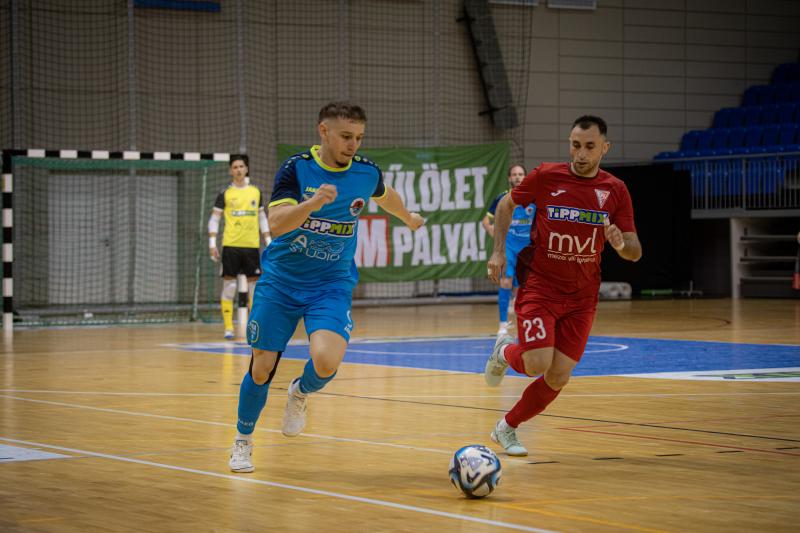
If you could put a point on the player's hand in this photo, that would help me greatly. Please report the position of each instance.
(326, 193)
(415, 221)
(613, 235)
(214, 253)
(496, 266)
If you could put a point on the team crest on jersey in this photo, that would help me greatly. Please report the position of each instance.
(602, 196)
(252, 332)
(356, 206)
(309, 193)
(529, 210)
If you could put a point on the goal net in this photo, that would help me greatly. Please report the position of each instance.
(114, 240)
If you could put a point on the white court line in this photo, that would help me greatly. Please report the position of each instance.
(297, 488)
(223, 424)
(567, 394)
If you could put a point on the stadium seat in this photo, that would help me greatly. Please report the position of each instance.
(719, 142)
(736, 140)
(752, 95)
(769, 142)
(787, 114)
(788, 138)
(752, 140)
(752, 115)
(722, 118)
(769, 115)
(786, 73)
(736, 117)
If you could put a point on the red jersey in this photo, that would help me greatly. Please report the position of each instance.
(567, 233)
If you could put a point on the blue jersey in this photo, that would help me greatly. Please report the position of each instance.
(320, 252)
(519, 232)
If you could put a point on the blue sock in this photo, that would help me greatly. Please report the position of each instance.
(503, 297)
(310, 380)
(252, 399)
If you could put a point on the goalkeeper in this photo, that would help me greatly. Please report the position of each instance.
(243, 207)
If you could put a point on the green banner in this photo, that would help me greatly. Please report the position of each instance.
(451, 187)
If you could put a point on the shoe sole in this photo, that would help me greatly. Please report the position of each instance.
(490, 378)
(246, 470)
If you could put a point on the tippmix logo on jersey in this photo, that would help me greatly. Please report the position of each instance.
(573, 214)
(335, 228)
(356, 206)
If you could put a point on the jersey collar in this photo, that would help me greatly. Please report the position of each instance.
(315, 154)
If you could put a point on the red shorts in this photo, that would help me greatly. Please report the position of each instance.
(563, 323)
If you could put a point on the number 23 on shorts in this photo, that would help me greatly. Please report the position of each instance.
(533, 329)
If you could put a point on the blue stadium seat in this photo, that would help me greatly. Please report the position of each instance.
(736, 140)
(786, 73)
(752, 140)
(769, 114)
(688, 145)
(752, 115)
(787, 113)
(719, 142)
(736, 117)
(722, 118)
(783, 93)
(788, 140)
(769, 142)
(768, 94)
(752, 95)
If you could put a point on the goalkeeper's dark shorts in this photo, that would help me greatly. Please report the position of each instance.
(237, 261)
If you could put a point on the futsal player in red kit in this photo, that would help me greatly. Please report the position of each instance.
(579, 209)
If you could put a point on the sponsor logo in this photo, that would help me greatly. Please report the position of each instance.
(252, 332)
(309, 192)
(602, 196)
(571, 244)
(317, 249)
(242, 212)
(556, 193)
(335, 228)
(572, 214)
(356, 206)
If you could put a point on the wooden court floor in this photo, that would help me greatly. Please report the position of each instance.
(139, 434)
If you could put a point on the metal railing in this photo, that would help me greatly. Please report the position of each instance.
(743, 181)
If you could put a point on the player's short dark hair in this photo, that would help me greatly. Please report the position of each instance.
(587, 121)
(515, 165)
(239, 157)
(344, 110)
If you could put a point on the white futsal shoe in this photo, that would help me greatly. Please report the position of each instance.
(241, 457)
(496, 365)
(507, 438)
(294, 417)
(228, 334)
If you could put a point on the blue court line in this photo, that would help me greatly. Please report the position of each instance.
(604, 356)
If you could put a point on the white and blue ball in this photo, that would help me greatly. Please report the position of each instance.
(475, 470)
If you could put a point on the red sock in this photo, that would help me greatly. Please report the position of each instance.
(513, 354)
(534, 400)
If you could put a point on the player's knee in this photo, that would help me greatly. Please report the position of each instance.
(557, 380)
(325, 367)
(262, 366)
(535, 362)
(228, 289)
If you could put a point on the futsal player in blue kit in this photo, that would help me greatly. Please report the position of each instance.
(517, 238)
(308, 269)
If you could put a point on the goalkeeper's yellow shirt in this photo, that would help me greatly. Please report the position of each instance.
(240, 206)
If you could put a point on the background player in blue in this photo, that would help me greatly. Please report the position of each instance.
(517, 238)
(308, 269)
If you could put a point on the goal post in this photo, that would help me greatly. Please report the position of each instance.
(103, 237)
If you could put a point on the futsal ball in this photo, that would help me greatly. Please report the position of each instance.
(475, 470)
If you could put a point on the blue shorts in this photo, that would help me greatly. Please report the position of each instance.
(277, 309)
(513, 248)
